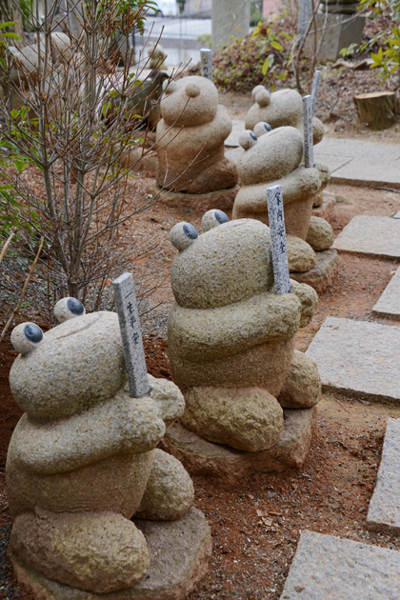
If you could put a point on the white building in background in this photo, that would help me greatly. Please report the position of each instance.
(197, 6)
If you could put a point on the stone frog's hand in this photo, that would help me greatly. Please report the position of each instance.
(300, 184)
(168, 398)
(121, 424)
(308, 298)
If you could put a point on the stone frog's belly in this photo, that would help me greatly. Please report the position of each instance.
(264, 365)
(114, 484)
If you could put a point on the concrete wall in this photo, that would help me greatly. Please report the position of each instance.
(230, 18)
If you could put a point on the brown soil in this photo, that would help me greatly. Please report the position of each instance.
(256, 525)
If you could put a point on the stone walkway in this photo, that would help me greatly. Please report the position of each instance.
(327, 567)
(388, 304)
(358, 357)
(384, 508)
(378, 236)
(351, 162)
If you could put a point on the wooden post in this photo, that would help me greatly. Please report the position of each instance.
(377, 109)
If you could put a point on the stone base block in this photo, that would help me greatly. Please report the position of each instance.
(222, 199)
(201, 457)
(179, 554)
(322, 274)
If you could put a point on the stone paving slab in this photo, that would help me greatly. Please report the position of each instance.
(358, 357)
(357, 162)
(384, 508)
(388, 304)
(379, 236)
(327, 567)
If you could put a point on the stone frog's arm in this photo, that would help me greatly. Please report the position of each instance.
(191, 140)
(121, 424)
(298, 185)
(318, 129)
(308, 298)
(200, 335)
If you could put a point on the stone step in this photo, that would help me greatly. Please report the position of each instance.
(379, 236)
(384, 508)
(358, 357)
(388, 304)
(327, 567)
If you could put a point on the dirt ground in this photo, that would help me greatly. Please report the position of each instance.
(256, 525)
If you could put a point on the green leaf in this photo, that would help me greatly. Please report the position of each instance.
(10, 35)
(276, 45)
(20, 165)
(265, 67)
(8, 24)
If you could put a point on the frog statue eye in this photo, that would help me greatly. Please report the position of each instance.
(212, 218)
(248, 139)
(183, 235)
(26, 337)
(261, 95)
(68, 308)
(262, 128)
(169, 86)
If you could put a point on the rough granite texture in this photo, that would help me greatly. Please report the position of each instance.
(384, 508)
(202, 457)
(190, 138)
(323, 273)
(320, 234)
(274, 159)
(99, 552)
(358, 357)
(327, 567)
(301, 256)
(379, 236)
(169, 492)
(179, 553)
(281, 108)
(325, 209)
(75, 478)
(229, 332)
(247, 419)
(49, 387)
(389, 303)
(302, 387)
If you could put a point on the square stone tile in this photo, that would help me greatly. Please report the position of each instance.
(331, 568)
(389, 303)
(358, 357)
(384, 508)
(379, 236)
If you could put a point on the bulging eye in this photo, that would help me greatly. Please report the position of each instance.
(68, 308)
(26, 337)
(169, 86)
(212, 218)
(262, 97)
(183, 235)
(248, 139)
(262, 128)
(192, 90)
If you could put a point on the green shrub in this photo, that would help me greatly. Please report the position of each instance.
(263, 57)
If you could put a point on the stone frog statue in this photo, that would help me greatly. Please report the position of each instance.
(281, 108)
(190, 138)
(231, 339)
(82, 459)
(271, 158)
